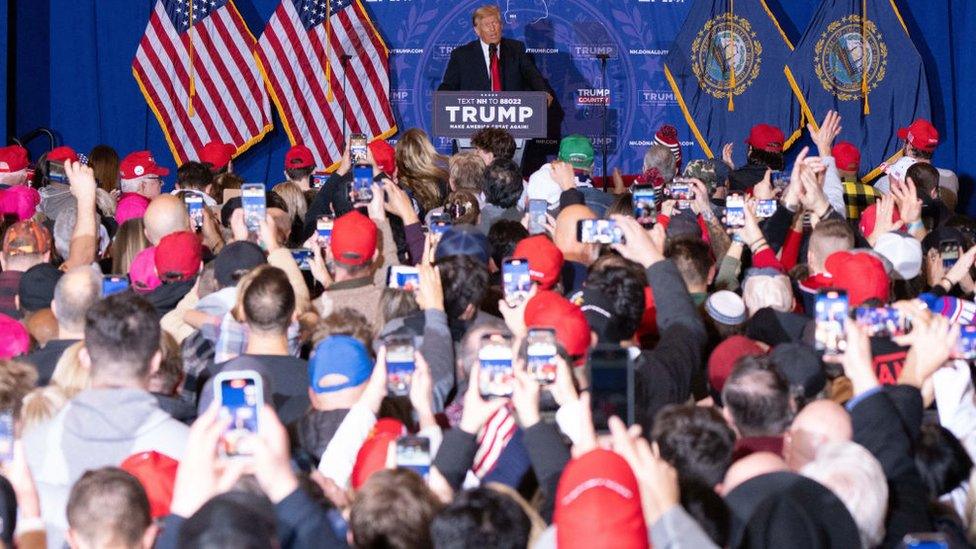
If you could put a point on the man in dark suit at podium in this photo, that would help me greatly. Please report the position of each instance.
(491, 63)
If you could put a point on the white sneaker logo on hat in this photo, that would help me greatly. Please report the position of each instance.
(139, 170)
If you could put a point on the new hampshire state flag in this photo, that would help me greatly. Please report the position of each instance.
(857, 58)
(725, 68)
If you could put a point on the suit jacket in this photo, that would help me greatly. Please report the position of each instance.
(468, 70)
(886, 423)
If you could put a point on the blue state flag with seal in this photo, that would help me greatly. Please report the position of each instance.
(857, 58)
(726, 73)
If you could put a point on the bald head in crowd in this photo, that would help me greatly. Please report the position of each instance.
(74, 294)
(565, 237)
(166, 214)
(818, 423)
(750, 467)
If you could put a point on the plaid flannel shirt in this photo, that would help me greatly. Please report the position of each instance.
(858, 197)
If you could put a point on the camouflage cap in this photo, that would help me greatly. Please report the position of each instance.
(708, 171)
(26, 237)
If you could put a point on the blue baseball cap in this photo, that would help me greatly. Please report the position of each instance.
(339, 355)
(463, 240)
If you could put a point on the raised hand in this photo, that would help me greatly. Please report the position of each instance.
(727, 156)
(909, 205)
(272, 459)
(477, 410)
(430, 291)
(829, 130)
(656, 478)
(642, 247)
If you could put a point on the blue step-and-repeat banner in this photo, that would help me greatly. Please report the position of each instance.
(564, 37)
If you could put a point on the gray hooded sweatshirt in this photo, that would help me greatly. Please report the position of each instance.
(98, 428)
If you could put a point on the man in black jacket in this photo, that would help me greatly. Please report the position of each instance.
(663, 374)
(491, 63)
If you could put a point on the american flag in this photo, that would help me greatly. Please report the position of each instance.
(300, 55)
(196, 70)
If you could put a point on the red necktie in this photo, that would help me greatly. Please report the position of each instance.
(496, 70)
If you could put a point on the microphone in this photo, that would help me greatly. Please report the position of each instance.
(345, 57)
(602, 56)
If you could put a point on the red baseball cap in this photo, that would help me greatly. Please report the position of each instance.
(139, 164)
(384, 155)
(20, 201)
(545, 259)
(15, 340)
(373, 453)
(726, 354)
(353, 239)
(766, 138)
(847, 156)
(299, 157)
(13, 158)
(599, 485)
(217, 154)
(551, 310)
(860, 273)
(921, 134)
(870, 215)
(178, 256)
(156, 473)
(62, 153)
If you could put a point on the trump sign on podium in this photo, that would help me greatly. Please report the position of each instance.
(460, 114)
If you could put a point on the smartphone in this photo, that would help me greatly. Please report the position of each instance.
(540, 354)
(966, 345)
(413, 452)
(831, 314)
(55, 172)
(516, 280)
(241, 397)
(303, 257)
(362, 185)
(882, 321)
(403, 277)
(440, 222)
(949, 250)
(496, 377)
(598, 231)
(399, 365)
(681, 191)
(928, 540)
(319, 179)
(357, 149)
(611, 387)
(255, 207)
(645, 204)
(114, 283)
(735, 211)
(323, 229)
(779, 179)
(538, 209)
(766, 207)
(6, 436)
(194, 207)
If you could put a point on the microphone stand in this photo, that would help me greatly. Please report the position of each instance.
(344, 59)
(606, 109)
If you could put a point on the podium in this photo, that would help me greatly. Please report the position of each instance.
(459, 115)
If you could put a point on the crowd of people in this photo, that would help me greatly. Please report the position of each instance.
(772, 356)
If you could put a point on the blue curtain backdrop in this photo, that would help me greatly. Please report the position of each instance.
(70, 68)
